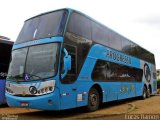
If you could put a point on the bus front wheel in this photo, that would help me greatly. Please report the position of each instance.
(144, 96)
(93, 100)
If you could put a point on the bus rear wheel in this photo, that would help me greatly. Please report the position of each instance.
(93, 100)
(148, 92)
(144, 95)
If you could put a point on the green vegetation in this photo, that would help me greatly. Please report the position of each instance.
(158, 83)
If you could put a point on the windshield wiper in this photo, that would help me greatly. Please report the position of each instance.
(28, 75)
(16, 78)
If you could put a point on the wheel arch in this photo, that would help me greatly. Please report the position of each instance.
(99, 89)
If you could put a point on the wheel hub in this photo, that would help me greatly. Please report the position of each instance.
(94, 99)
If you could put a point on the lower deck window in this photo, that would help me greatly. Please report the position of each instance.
(109, 71)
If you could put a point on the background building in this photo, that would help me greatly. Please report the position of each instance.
(4, 38)
(158, 74)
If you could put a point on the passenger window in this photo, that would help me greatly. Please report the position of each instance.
(80, 25)
(109, 71)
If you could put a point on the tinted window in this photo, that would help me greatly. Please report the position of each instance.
(17, 65)
(28, 30)
(37, 62)
(80, 25)
(115, 41)
(99, 33)
(78, 47)
(42, 60)
(141, 53)
(82, 44)
(147, 56)
(83, 28)
(108, 71)
(49, 25)
(133, 49)
(43, 26)
(126, 46)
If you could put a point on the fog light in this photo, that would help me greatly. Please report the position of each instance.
(50, 102)
(39, 92)
(46, 89)
(42, 90)
(50, 88)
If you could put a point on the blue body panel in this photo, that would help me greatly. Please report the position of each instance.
(2, 91)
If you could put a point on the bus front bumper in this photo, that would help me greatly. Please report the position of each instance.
(45, 102)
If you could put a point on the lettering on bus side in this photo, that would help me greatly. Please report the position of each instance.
(118, 57)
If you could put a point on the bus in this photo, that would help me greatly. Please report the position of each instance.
(5, 53)
(64, 59)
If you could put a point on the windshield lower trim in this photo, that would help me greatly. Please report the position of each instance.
(38, 42)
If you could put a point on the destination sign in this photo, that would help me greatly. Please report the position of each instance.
(119, 57)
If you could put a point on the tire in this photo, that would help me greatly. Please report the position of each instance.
(144, 95)
(93, 100)
(148, 92)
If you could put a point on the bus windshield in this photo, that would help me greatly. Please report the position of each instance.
(38, 62)
(43, 26)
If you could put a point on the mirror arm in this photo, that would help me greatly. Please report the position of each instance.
(65, 51)
(64, 74)
(65, 71)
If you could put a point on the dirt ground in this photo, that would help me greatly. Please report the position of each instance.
(117, 110)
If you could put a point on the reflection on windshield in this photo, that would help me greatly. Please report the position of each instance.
(16, 68)
(41, 62)
(43, 26)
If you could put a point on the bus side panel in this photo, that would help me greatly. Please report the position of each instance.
(85, 81)
(2, 91)
(139, 88)
(83, 90)
(110, 90)
(127, 90)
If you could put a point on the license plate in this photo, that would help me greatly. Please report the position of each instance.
(24, 104)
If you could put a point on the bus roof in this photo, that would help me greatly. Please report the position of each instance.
(48, 13)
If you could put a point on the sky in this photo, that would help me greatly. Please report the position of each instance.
(137, 20)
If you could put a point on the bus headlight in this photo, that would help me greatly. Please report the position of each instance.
(30, 89)
(45, 90)
(9, 91)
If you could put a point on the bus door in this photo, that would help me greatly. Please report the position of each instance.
(68, 90)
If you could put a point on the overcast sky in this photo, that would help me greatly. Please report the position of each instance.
(138, 20)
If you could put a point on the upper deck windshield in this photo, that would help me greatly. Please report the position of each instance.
(37, 62)
(43, 26)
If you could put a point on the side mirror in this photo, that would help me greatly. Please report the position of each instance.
(67, 63)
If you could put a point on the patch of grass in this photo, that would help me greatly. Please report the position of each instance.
(158, 84)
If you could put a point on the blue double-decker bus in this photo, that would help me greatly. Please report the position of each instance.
(5, 53)
(64, 59)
